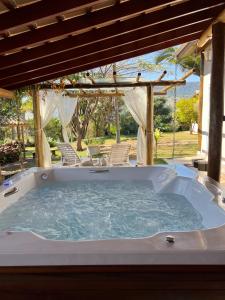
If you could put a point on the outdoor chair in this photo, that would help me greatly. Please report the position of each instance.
(71, 158)
(119, 155)
(93, 151)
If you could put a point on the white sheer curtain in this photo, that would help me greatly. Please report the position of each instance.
(66, 107)
(48, 102)
(136, 102)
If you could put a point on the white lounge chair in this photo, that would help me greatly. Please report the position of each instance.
(119, 155)
(70, 156)
(93, 150)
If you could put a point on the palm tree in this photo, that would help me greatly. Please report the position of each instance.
(167, 55)
(186, 63)
(191, 62)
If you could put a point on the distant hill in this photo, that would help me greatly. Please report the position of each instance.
(185, 91)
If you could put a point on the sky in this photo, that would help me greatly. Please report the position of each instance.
(170, 68)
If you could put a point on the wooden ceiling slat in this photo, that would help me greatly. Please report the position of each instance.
(168, 43)
(6, 94)
(85, 51)
(135, 34)
(111, 53)
(90, 20)
(9, 5)
(106, 32)
(42, 9)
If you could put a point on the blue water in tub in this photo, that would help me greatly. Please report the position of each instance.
(94, 210)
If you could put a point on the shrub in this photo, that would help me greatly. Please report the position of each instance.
(10, 152)
(54, 129)
(187, 112)
(51, 142)
(127, 123)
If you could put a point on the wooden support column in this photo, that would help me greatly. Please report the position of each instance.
(116, 106)
(216, 101)
(37, 127)
(1, 177)
(117, 117)
(149, 126)
(200, 102)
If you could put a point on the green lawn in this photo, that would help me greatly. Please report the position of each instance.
(180, 136)
(186, 145)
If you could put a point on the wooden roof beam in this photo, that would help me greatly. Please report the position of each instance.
(105, 85)
(189, 73)
(40, 10)
(95, 94)
(87, 38)
(90, 77)
(138, 77)
(6, 94)
(160, 94)
(122, 56)
(102, 95)
(88, 21)
(10, 5)
(83, 53)
(109, 53)
(207, 34)
(162, 75)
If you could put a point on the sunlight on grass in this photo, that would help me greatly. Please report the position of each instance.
(186, 145)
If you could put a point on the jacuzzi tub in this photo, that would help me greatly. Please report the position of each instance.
(193, 266)
(102, 204)
(173, 180)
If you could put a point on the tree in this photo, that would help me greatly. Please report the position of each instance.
(103, 116)
(127, 122)
(13, 111)
(54, 130)
(186, 63)
(162, 114)
(191, 62)
(92, 110)
(187, 112)
(81, 118)
(7, 111)
(167, 55)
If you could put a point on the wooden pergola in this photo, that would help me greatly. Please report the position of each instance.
(42, 40)
(98, 86)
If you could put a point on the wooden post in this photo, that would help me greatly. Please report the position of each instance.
(149, 126)
(1, 177)
(12, 133)
(117, 116)
(23, 141)
(216, 101)
(37, 129)
(116, 106)
(200, 102)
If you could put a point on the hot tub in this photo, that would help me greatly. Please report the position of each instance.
(107, 203)
(131, 257)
